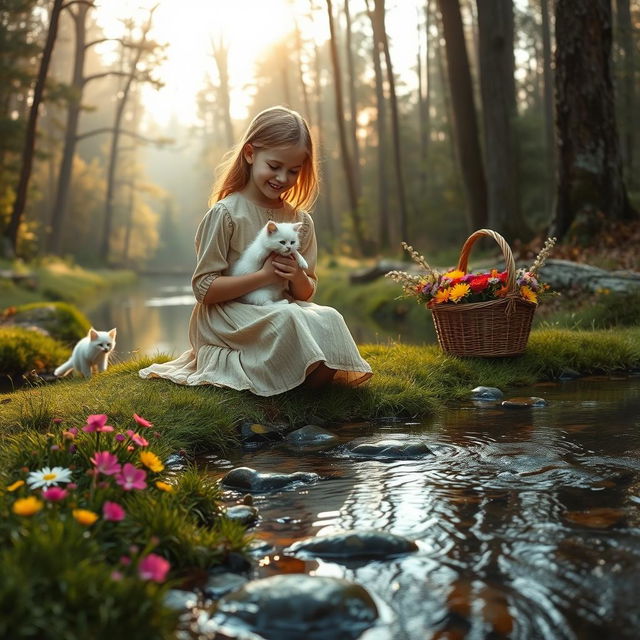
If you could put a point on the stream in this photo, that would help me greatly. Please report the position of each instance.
(526, 520)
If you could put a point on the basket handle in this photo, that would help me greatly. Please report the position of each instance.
(504, 247)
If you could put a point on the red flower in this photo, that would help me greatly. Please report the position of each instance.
(479, 283)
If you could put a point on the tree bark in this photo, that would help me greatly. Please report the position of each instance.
(590, 188)
(347, 163)
(61, 201)
(395, 122)
(221, 57)
(627, 87)
(105, 244)
(384, 219)
(353, 107)
(496, 65)
(548, 102)
(30, 136)
(464, 114)
(424, 96)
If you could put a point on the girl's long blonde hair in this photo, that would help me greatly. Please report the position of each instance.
(273, 128)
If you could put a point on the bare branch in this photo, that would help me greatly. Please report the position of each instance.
(101, 40)
(104, 74)
(89, 3)
(132, 134)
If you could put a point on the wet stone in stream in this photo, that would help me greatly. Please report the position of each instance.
(291, 607)
(242, 513)
(311, 436)
(350, 545)
(389, 449)
(247, 479)
(524, 403)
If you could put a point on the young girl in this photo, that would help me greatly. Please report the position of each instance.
(272, 348)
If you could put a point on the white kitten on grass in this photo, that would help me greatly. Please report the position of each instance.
(92, 352)
(282, 238)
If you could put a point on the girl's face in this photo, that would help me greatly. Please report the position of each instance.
(273, 172)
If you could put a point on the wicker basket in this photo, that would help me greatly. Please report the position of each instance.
(496, 328)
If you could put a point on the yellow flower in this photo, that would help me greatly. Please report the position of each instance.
(442, 295)
(84, 516)
(16, 485)
(459, 291)
(453, 274)
(528, 294)
(27, 506)
(151, 461)
(164, 486)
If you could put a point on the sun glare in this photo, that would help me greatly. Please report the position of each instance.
(248, 27)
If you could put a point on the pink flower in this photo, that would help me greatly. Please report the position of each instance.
(125, 560)
(106, 463)
(72, 485)
(113, 512)
(135, 438)
(120, 437)
(54, 494)
(153, 567)
(116, 576)
(97, 422)
(131, 478)
(141, 421)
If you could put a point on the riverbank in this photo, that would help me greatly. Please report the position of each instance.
(53, 279)
(409, 381)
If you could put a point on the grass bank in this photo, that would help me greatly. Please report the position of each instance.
(55, 279)
(409, 381)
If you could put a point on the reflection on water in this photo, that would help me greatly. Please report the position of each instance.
(527, 520)
(152, 317)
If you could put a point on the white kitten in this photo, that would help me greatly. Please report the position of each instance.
(279, 238)
(92, 351)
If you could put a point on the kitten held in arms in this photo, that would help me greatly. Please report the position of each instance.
(90, 352)
(282, 238)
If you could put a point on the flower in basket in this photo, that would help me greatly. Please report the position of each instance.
(433, 287)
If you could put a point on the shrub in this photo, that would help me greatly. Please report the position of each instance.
(22, 350)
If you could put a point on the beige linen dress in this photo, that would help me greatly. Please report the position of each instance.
(265, 349)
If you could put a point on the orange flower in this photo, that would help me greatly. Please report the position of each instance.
(164, 486)
(453, 274)
(442, 295)
(27, 506)
(528, 294)
(84, 516)
(459, 291)
(502, 292)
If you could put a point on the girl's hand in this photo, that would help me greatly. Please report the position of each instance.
(286, 267)
(269, 270)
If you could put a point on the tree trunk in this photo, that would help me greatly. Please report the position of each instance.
(627, 87)
(221, 57)
(424, 95)
(113, 150)
(395, 122)
(353, 107)
(496, 65)
(384, 219)
(30, 136)
(61, 201)
(548, 103)
(344, 148)
(464, 114)
(303, 84)
(590, 185)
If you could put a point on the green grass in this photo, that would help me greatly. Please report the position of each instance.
(54, 279)
(409, 381)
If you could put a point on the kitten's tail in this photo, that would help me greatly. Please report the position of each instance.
(63, 369)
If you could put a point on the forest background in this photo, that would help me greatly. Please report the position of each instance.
(432, 119)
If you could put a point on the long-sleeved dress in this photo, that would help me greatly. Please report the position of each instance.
(265, 349)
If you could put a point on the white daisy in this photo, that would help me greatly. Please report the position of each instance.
(46, 477)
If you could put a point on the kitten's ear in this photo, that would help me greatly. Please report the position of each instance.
(112, 333)
(297, 226)
(93, 334)
(272, 227)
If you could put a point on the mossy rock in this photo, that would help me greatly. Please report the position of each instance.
(22, 350)
(60, 320)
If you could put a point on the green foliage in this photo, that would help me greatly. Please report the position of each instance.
(55, 585)
(22, 350)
